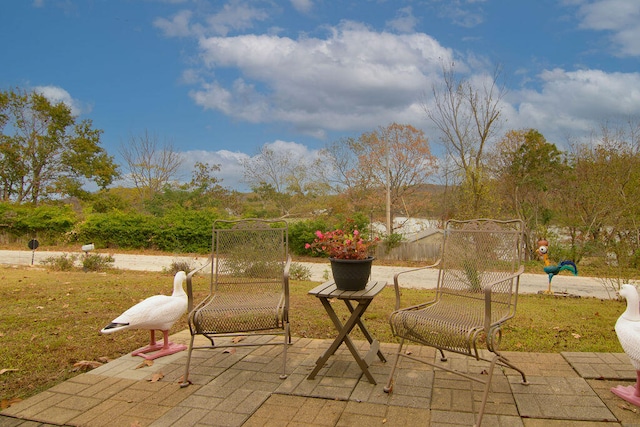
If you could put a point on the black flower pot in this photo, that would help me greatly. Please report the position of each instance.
(351, 274)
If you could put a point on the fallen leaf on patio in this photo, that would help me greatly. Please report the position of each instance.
(230, 351)
(5, 403)
(145, 363)
(136, 424)
(237, 339)
(384, 421)
(576, 336)
(85, 365)
(156, 377)
(484, 372)
(408, 352)
(2, 371)
(627, 407)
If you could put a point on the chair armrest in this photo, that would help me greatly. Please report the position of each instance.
(190, 283)
(285, 286)
(396, 282)
(488, 289)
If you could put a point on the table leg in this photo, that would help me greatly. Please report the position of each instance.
(343, 336)
(364, 330)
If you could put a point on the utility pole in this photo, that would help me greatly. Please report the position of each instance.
(388, 173)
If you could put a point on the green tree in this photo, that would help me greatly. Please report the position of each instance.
(601, 204)
(45, 152)
(528, 173)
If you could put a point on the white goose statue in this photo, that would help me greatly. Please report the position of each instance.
(628, 330)
(158, 312)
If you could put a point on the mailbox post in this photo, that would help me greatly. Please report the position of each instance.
(33, 245)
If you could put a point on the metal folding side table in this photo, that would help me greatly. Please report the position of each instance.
(363, 298)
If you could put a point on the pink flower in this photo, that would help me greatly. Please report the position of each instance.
(341, 245)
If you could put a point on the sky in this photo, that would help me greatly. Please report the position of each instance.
(220, 79)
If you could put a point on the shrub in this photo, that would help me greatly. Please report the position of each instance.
(64, 262)
(179, 230)
(97, 262)
(179, 265)
(299, 272)
(392, 241)
(303, 232)
(185, 231)
(48, 221)
(119, 229)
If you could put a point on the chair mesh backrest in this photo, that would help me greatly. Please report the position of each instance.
(250, 256)
(476, 253)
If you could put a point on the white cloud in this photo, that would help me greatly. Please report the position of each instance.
(404, 22)
(178, 26)
(231, 169)
(620, 17)
(56, 94)
(296, 150)
(302, 6)
(575, 102)
(354, 78)
(235, 15)
(465, 13)
(231, 163)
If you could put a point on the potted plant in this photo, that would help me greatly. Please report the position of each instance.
(349, 257)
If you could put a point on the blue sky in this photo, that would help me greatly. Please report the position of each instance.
(219, 79)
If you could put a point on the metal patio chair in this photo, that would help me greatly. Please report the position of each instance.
(477, 291)
(248, 290)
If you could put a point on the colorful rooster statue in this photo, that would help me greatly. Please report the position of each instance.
(552, 270)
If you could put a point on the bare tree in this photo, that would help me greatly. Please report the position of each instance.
(150, 164)
(386, 167)
(279, 176)
(468, 116)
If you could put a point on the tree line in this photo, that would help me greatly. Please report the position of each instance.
(585, 200)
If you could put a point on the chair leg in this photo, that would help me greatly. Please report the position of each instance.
(504, 361)
(485, 393)
(185, 379)
(287, 341)
(389, 386)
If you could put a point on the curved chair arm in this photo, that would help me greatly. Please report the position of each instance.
(190, 285)
(396, 282)
(285, 279)
(488, 289)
